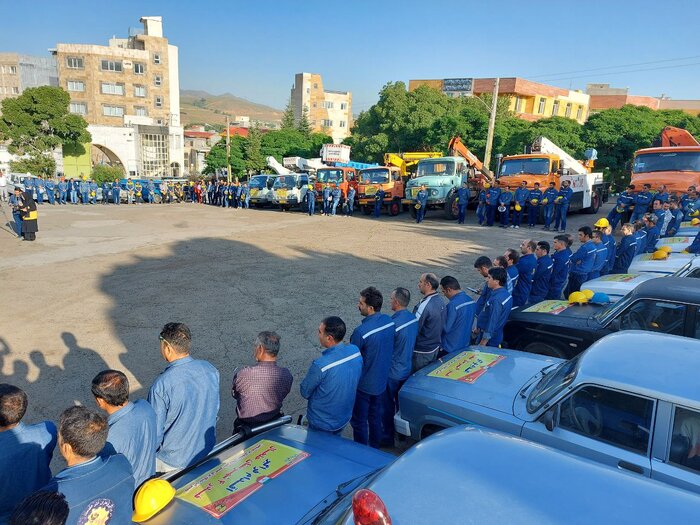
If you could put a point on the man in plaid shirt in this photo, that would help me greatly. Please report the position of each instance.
(260, 389)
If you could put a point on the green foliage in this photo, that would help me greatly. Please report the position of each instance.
(216, 158)
(304, 126)
(254, 159)
(103, 173)
(288, 117)
(39, 164)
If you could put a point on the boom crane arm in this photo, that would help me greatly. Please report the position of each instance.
(672, 137)
(457, 148)
(405, 160)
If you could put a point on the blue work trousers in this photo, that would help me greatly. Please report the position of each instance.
(366, 419)
(560, 217)
(84, 197)
(490, 214)
(350, 208)
(548, 215)
(461, 214)
(73, 197)
(377, 209)
(390, 405)
(517, 218)
(532, 215)
(335, 206)
(115, 196)
(62, 197)
(481, 213)
(420, 214)
(39, 197)
(575, 282)
(505, 217)
(614, 217)
(51, 196)
(312, 206)
(18, 223)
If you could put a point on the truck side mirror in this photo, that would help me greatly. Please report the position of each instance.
(550, 418)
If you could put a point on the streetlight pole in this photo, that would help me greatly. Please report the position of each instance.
(228, 151)
(492, 123)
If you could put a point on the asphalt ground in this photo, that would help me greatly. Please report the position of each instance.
(99, 283)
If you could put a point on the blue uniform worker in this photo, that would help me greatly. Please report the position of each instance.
(504, 200)
(245, 196)
(327, 199)
(151, 191)
(581, 264)
(39, 188)
(16, 214)
(542, 277)
(492, 195)
(459, 315)
(25, 455)
(93, 192)
(336, 194)
(481, 207)
(548, 198)
(422, 201)
(378, 202)
(350, 201)
(512, 273)
(652, 236)
(624, 202)
(561, 204)
(534, 200)
(62, 192)
(375, 339)
(641, 239)
(520, 197)
(624, 253)
(609, 242)
(28, 185)
(561, 260)
(116, 190)
(695, 245)
(526, 272)
(662, 195)
(493, 317)
(330, 386)
(482, 300)
(50, 186)
(677, 219)
(74, 190)
(239, 195)
(462, 202)
(641, 203)
(599, 261)
(106, 188)
(84, 191)
(310, 198)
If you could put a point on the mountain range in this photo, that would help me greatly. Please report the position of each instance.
(200, 107)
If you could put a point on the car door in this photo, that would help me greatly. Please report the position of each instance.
(601, 424)
(654, 315)
(678, 459)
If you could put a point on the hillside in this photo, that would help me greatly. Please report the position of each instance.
(203, 107)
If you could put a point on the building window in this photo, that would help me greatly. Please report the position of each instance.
(113, 111)
(327, 104)
(76, 85)
(140, 111)
(159, 121)
(308, 90)
(555, 108)
(110, 88)
(74, 63)
(341, 124)
(156, 58)
(154, 154)
(540, 109)
(314, 104)
(518, 105)
(111, 65)
(12, 70)
(139, 68)
(343, 105)
(15, 90)
(78, 108)
(315, 86)
(2, 70)
(157, 80)
(579, 113)
(139, 91)
(159, 102)
(567, 113)
(327, 123)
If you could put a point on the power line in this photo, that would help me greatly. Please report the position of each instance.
(549, 75)
(623, 72)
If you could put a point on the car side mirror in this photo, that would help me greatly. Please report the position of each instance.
(550, 418)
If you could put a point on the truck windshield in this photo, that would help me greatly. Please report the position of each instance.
(436, 167)
(667, 161)
(329, 176)
(285, 181)
(379, 176)
(258, 182)
(553, 382)
(532, 166)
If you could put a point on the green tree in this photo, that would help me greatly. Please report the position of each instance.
(304, 126)
(216, 158)
(254, 159)
(103, 173)
(37, 122)
(288, 121)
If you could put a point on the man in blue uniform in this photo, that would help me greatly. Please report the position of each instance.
(62, 191)
(310, 198)
(421, 203)
(561, 260)
(430, 314)
(492, 195)
(405, 333)
(336, 193)
(50, 186)
(534, 200)
(561, 203)
(25, 450)
(28, 185)
(482, 265)
(462, 202)
(93, 192)
(548, 198)
(73, 188)
(601, 255)
(185, 397)
(526, 273)
(512, 271)
(375, 339)
(492, 319)
(605, 228)
(640, 237)
(116, 190)
(677, 217)
(106, 188)
(92, 484)
(327, 199)
(625, 250)
(245, 196)
(662, 194)
(543, 273)
(582, 261)
(652, 233)
(624, 201)
(84, 192)
(378, 202)
(39, 188)
(350, 201)
(132, 426)
(641, 203)
(459, 315)
(151, 191)
(330, 385)
(504, 200)
(520, 199)
(16, 203)
(481, 206)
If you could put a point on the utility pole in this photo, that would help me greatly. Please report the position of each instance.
(228, 151)
(492, 124)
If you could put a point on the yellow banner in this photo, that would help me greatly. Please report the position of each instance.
(551, 306)
(254, 192)
(675, 240)
(619, 277)
(467, 366)
(227, 484)
(371, 190)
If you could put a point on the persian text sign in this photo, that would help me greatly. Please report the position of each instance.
(550, 306)
(226, 485)
(467, 366)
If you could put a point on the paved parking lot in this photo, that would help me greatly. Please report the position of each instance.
(99, 283)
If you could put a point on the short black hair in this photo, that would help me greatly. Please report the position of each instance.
(112, 386)
(512, 255)
(41, 508)
(502, 261)
(597, 234)
(335, 327)
(544, 245)
(373, 298)
(402, 296)
(178, 336)
(638, 225)
(647, 185)
(532, 245)
(631, 186)
(13, 404)
(85, 431)
(566, 239)
(431, 279)
(482, 261)
(586, 230)
(450, 283)
(499, 274)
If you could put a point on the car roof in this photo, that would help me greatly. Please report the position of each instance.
(657, 365)
(679, 289)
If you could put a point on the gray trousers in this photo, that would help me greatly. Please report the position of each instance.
(421, 359)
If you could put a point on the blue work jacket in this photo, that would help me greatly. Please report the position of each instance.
(375, 339)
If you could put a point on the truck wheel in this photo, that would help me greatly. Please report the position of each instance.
(367, 210)
(595, 203)
(545, 348)
(394, 208)
(157, 198)
(451, 209)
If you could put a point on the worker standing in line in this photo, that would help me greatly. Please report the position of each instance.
(378, 202)
(481, 206)
(462, 202)
(421, 203)
(327, 199)
(512, 272)
(350, 202)
(492, 319)
(543, 273)
(310, 198)
(624, 201)
(526, 272)
(520, 198)
(582, 261)
(459, 314)
(504, 200)
(640, 236)
(335, 194)
(548, 197)
(601, 255)
(625, 249)
(603, 225)
(561, 203)
(641, 203)
(534, 198)
(492, 195)
(561, 260)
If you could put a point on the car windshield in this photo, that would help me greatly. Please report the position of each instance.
(553, 382)
(378, 176)
(329, 175)
(534, 166)
(435, 167)
(610, 311)
(258, 182)
(667, 161)
(285, 181)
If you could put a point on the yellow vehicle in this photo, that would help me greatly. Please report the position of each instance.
(378, 180)
(404, 161)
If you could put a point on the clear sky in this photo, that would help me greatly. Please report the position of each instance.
(253, 49)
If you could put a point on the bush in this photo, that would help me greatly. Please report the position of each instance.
(102, 173)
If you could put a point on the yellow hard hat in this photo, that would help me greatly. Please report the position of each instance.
(659, 255)
(588, 293)
(151, 498)
(696, 213)
(518, 207)
(666, 249)
(311, 186)
(602, 223)
(486, 185)
(417, 206)
(545, 201)
(695, 222)
(534, 201)
(577, 298)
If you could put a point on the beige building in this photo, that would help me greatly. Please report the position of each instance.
(19, 72)
(129, 93)
(329, 111)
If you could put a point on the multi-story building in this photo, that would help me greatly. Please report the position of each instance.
(198, 143)
(605, 97)
(328, 111)
(19, 72)
(528, 100)
(129, 93)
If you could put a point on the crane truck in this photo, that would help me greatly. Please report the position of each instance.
(546, 162)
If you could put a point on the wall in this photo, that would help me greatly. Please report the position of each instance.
(77, 161)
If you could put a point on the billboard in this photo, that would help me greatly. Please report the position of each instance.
(335, 153)
(462, 85)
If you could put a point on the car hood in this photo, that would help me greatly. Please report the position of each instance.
(497, 375)
(555, 312)
(677, 243)
(617, 285)
(644, 263)
(306, 467)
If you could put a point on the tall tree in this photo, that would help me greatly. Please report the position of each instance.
(288, 121)
(254, 159)
(304, 126)
(37, 122)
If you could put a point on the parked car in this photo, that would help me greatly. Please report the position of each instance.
(557, 328)
(677, 243)
(631, 401)
(469, 476)
(276, 474)
(687, 228)
(261, 189)
(646, 263)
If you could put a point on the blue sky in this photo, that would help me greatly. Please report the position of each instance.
(253, 49)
